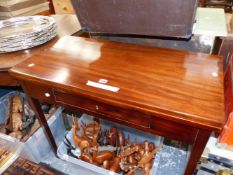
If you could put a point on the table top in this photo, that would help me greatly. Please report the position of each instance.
(67, 25)
(181, 86)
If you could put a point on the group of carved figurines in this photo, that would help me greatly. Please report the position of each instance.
(110, 148)
(20, 117)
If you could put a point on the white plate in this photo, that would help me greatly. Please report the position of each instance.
(25, 32)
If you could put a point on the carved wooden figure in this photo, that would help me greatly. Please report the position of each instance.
(91, 132)
(14, 122)
(151, 146)
(106, 164)
(120, 138)
(115, 166)
(86, 156)
(145, 159)
(78, 141)
(100, 156)
(17, 103)
(129, 151)
(112, 136)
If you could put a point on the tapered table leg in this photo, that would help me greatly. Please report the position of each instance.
(43, 122)
(198, 147)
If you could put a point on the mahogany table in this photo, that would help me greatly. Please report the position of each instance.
(67, 25)
(171, 93)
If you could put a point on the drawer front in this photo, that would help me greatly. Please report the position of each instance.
(125, 116)
(40, 92)
(173, 130)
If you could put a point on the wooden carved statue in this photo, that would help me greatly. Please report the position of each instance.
(129, 156)
(79, 141)
(112, 136)
(100, 156)
(91, 132)
(113, 165)
(15, 114)
(86, 156)
(120, 138)
(148, 156)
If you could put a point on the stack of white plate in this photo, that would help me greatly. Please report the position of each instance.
(21, 33)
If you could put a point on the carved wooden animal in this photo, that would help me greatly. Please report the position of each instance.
(17, 123)
(17, 103)
(131, 159)
(106, 164)
(15, 109)
(103, 139)
(128, 151)
(146, 147)
(112, 136)
(101, 156)
(127, 141)
(147, 168)
(86, 156)
(90, 130)
(115, 166)
(120, 138)
(135, 143)
(145, 159)
(79, 141)
(95, 141)
(127, 166)
(151, 146)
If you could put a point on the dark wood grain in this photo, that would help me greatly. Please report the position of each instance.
(7, 80)
(179, 86)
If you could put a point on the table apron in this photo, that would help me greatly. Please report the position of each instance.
(119, 114)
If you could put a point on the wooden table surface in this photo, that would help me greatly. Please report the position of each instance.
(172, 93)
(178, 85)
(67, 25)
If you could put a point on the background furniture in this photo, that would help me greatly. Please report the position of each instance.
(51, 7)
(13, 8)
(227, 4)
